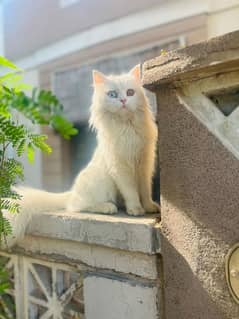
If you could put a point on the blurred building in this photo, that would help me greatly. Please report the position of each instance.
(59, 42)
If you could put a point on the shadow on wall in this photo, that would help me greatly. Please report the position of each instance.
(199, 197)
(188, 306)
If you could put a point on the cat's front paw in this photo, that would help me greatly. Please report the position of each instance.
(107, 208)
(152, 207)
(135, 211)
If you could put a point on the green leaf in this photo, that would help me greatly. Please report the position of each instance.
(30, 153)
(5, 226)
(8, 64)
(21, 147)
(39, 142)
(63, 126)
(23, 86)
(42, 108)
(5, 113)
(7, 76)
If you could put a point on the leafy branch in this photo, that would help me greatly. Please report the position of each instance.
(40, 108)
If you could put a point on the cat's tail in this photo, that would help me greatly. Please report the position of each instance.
(32, 202)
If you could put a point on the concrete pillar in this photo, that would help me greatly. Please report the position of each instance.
(199, 181)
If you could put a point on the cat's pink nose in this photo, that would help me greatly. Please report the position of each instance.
(123, 101)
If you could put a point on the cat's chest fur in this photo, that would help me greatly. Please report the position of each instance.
(125, 140)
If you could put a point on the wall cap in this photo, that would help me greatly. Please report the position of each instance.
(140, 234)
(194, 62)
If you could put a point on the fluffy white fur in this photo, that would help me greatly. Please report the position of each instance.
(122, 165)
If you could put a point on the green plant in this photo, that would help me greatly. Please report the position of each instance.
(42, 108)
(7, 305)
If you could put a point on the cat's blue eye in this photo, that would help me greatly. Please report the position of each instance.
(113, 94)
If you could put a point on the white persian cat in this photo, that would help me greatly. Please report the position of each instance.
(122, 165)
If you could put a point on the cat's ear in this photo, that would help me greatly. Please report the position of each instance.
(98, 77)
(135, 72)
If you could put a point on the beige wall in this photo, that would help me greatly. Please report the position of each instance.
(43, 30)
(1, 30)
(32, 172)
(30, 25)
(222, 22)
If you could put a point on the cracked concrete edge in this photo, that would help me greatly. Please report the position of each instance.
(213, 55)
(119, 231)
(89, 257)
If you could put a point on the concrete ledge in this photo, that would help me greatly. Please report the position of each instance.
(119, 232)
(89, 256)
(210, 57)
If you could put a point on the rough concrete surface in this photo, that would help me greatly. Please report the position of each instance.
(199, 207)
(199, 180)
(92, 256)
(192, 62)
(121, 231)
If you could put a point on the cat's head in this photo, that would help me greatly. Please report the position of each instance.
(121, 95)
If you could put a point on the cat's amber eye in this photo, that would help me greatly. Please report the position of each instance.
(112, 94)
(130, 92)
